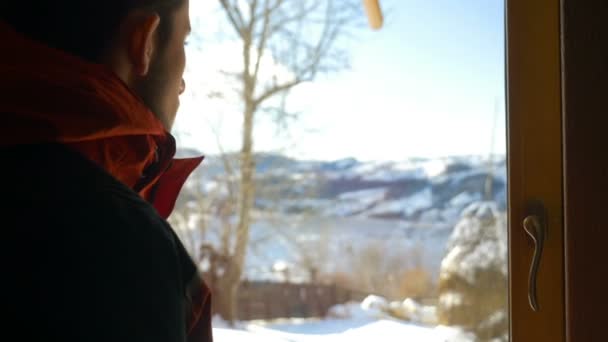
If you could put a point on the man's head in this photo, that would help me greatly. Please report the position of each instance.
(142, 41)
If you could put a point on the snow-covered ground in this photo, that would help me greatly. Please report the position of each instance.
(337, 330)
(352, 322)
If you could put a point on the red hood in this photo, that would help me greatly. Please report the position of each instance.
(50, 96)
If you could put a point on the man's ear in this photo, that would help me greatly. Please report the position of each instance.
(143, 42)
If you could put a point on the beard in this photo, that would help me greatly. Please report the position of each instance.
(155, 91)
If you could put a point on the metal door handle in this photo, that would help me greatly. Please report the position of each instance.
(535, 228)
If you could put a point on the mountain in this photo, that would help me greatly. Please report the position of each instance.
(410, 190)
(329, 213)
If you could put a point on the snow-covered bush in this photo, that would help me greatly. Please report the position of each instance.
(376, 307)
(473, 274)
(412, 311)
(350, 310)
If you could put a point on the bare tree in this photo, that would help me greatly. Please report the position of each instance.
(311, 250)
(284, 43)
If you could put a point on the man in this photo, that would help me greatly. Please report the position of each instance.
(88, 93)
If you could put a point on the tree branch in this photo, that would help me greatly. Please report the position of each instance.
(264, 37)
(234, 16)
(275, 90)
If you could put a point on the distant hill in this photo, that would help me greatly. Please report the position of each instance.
(335, 210)
(417, 189)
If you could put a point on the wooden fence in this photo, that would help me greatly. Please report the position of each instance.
(270, 300)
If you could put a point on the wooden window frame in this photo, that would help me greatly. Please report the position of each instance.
(535, 165)
(557, 85)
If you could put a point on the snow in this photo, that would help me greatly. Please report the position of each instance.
(378, 307)
(460, 176)
(451, 214)
(481, 210)
(356, 330)
(501, 172)
(465, 263)
(475, 244)
(282, 238)
(434, 168)
(431, 215)
(350, 310)
(464, 198)
(389, 175)
(451, 299)
(375, 306)
(233, 335)
(367, 195)
(350, 322)
(343, 164)
(424, 314)
(340, 330)
(448, 192)
(407, 205)
(353, 202)
(385, 171)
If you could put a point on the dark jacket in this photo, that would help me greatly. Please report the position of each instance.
(85, 258)
(88, 180)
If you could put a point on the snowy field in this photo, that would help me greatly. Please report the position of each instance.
(339, 330)
(352, 322)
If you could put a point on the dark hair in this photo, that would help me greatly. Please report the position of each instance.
(83, 28)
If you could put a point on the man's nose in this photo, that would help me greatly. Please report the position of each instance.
(182, 87)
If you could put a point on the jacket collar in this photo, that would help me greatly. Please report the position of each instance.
(51, 96)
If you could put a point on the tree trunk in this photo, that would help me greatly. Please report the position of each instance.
(225, 299)
(228, 284)
(229, 281)
(256, 23)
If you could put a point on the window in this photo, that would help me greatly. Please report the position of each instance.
(356, 181)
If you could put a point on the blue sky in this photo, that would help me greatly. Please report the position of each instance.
(429, 84)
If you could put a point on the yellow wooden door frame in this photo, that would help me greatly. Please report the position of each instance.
(535, 165)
